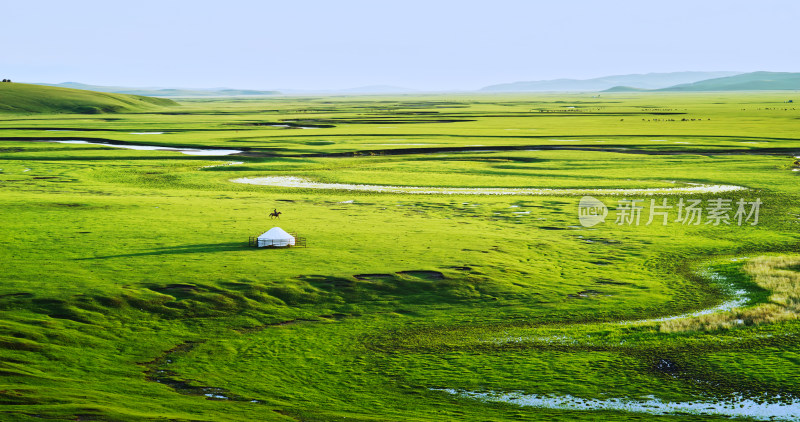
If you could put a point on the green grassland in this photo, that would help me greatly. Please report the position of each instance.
(128, 291)
(27, 98)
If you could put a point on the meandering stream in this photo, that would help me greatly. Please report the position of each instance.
(297, 182)
(737, 406)
(187, 151)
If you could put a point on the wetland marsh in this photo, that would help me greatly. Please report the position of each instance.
(129, 291)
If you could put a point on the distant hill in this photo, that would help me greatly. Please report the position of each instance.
(644, 81)
(28, 98)
(624, 89)
(165, 92)
(755, 81)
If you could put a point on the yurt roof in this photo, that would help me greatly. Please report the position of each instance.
(276, 233)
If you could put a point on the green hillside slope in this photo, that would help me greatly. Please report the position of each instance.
(755, 81)
(26, 98)
(624, 89)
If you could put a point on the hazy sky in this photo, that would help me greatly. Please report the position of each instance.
(434, 45)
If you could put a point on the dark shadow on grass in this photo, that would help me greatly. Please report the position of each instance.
(183, 249)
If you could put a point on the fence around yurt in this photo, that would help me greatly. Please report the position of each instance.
(298, 241)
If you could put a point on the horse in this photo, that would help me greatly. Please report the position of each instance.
(275, 214)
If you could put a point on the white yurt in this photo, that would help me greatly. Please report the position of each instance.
(275, 236)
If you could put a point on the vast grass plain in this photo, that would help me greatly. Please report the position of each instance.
(128, 291)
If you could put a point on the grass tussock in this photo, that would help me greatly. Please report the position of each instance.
(774, 273)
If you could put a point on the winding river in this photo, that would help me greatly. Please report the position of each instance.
(298, 182)
(737, 406)
(187, 151)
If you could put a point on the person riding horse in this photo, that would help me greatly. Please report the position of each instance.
(275, 214)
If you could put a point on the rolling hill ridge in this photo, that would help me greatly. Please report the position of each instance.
(27, 98)
(754, 81)
(646, 81)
